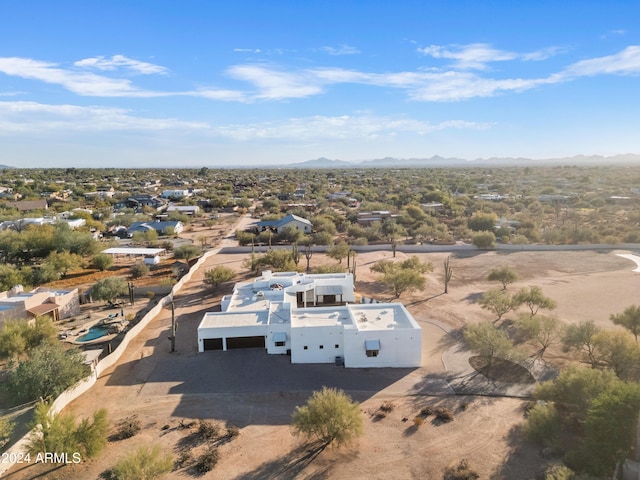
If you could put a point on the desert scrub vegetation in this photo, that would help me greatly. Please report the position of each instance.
(127, 428)
(145, 463)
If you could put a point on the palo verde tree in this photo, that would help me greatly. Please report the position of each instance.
(629, 319)
(497, 301)
(581, 338)
(338, 251)
(216, 276)
(187, 252)
(405, 276)
(108, 289)
(504, 275)
(49, 370)
(62, 433)
(489, 342)
(541, 331)
(329, 416)
(534, 299)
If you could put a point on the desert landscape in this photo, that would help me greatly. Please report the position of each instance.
(169, 392)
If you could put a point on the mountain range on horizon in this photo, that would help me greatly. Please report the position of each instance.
(439, 161)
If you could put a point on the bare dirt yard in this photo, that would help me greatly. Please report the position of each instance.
(257, 393)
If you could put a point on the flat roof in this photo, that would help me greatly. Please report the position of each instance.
(234, 319)
(133, 251)
(381, 316)
(321, 317)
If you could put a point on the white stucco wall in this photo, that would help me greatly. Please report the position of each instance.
(398, 348)
(313, 338)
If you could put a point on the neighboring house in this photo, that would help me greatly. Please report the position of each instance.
(58, 304)
(138, 202)
(185, 209)
(29, 205)
(176, 193)
(289, 221)
(160, 227)
(367, 218)
(313, 318)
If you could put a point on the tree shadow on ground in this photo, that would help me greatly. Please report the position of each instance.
(291, 465)
(523, 460)
(473, 297)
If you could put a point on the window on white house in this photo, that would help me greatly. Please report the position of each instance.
(372, 348)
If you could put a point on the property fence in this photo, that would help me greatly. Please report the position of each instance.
(16, 451)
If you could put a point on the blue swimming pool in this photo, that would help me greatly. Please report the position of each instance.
(94, 333)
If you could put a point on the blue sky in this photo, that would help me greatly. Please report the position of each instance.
(213, 83)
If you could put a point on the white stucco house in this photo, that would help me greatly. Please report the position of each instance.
(313, 318)
(289, 221)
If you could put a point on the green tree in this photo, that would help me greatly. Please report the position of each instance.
(13, 341)
(482, 222)
(484, 240)
(534, 299)
(62, 433)
(49, 370)
(19, 336)
(405, 276)
(218, 275)
(504, 275)
(338, 251)
(291, 235)
(6, 430)
(497, 301)
(140, 270)
(102, 261)
(629, 319)
(10, 276)
(276, 260)
(542, 331)
(187, 252)
(145, 463)
(328, 416)
(581, 338)
(108, 289)
(609, 430)
(617, 351)
(574, 391)
(488, 341)
(64, 261)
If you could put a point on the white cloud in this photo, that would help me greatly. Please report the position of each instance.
(341, 50)
(247, 50)
(476, 56)
(626, 62)
(473, 56)
(77, 82)
(274, 85)
(38, 118)
(320, 127)
(120, 61)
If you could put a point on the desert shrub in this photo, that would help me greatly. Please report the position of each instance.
(208, 430)
(150, 294)
(444, 414)
(145, 462)
(387, 407)
(208, 460)
(418, 421)
(380, 414)
(543, 424)
(128, 429)
(461, 471)
(167, 282)
(559, 472)
(233, 432)
(139, 270)
(426, 411)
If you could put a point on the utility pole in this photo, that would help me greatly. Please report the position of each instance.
(174, 327)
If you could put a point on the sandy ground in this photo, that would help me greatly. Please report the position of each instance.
(485, 430)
